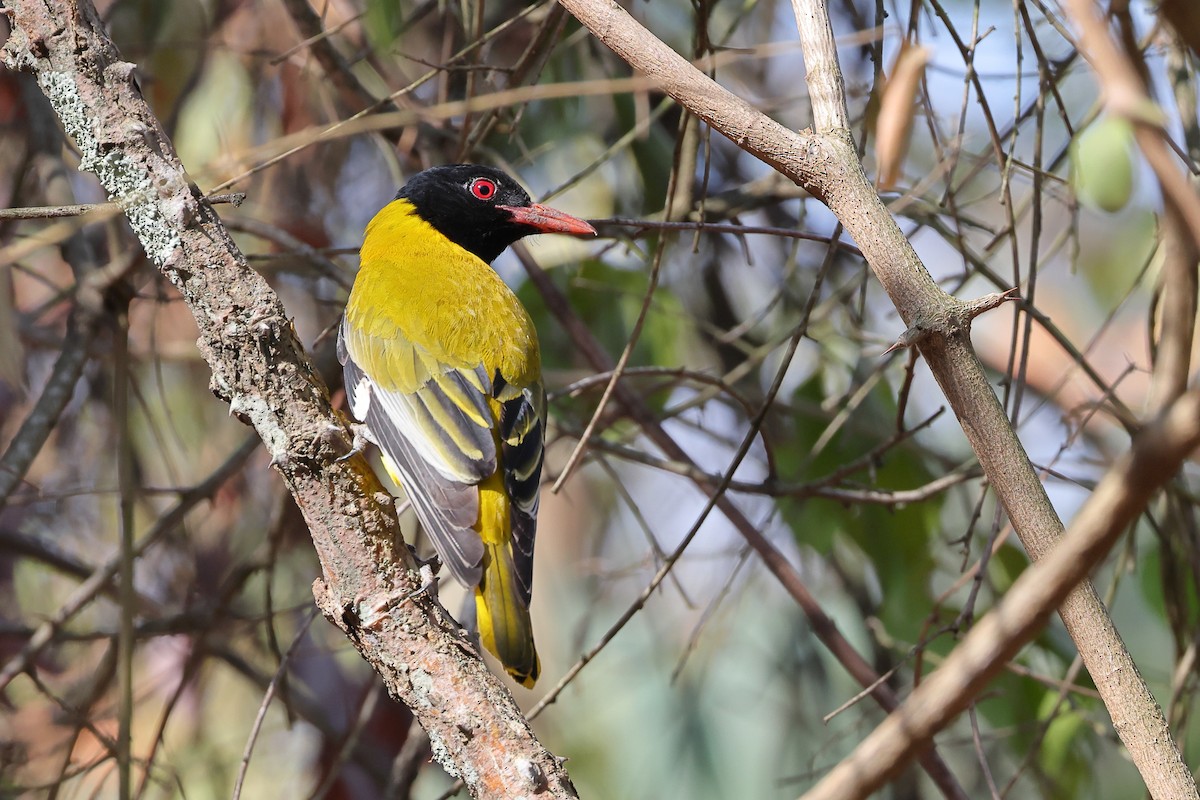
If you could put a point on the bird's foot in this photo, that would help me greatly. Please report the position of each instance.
(371, 616)
(361, 438)
(433, 563)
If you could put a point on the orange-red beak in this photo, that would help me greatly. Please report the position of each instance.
(548, 220)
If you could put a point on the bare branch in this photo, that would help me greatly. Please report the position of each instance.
(89, 316)
(101, 579)
(80, 209)
(826, 89)
(1157, 452)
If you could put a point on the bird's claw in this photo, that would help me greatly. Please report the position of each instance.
(429, 581)
(361, 438)
(433, 563)
(371, 617)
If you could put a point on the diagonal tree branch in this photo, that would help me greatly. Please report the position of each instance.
(261, 370)
(1153, 460)
(87, 318)
(826, 165)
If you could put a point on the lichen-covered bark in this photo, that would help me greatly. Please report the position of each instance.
(260, 368)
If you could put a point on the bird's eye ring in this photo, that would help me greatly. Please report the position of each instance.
(483, 188)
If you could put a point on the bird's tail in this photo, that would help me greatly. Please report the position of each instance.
(504, 626)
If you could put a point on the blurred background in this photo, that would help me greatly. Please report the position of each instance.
(318, 110)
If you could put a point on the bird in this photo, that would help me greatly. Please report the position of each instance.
(442, 366)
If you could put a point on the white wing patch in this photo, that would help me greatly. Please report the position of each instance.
(359, 397)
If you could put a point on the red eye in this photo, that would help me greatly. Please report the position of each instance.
(483, 188)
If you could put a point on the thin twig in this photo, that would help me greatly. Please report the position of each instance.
(89, 316)
(104, 574)
(265, 705)
(112, 207)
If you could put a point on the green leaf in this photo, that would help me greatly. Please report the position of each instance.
(1059, 754)
(895, 542)
(383, 22)
(1102, 164)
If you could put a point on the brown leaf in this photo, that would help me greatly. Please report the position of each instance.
(893, 128)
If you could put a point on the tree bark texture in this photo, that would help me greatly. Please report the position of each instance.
(260, 368)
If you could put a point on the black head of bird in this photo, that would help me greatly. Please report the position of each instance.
(482, 209)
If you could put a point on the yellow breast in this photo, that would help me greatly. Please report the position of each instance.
(418, 290)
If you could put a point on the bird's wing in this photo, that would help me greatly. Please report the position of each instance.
(434, 426)
(522, 436)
